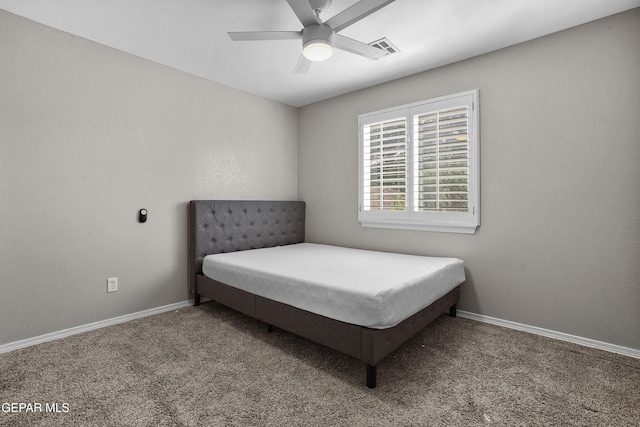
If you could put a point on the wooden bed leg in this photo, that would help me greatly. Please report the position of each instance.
(372, 376)
(453, 310)
(196, 299)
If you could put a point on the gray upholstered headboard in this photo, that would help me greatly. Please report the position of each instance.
(217, 226)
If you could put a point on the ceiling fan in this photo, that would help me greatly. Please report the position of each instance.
(319, 38)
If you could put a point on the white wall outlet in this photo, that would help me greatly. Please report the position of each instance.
(112, 284)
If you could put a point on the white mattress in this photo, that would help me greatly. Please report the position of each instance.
(367, 288)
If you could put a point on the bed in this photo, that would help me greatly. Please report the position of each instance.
(252, 256)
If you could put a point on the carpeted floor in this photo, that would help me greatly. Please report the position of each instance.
(210, 366)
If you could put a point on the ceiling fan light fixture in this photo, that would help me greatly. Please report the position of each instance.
(317, 50)
(317, 42)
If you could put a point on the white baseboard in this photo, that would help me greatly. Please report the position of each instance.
(5, 348)
(626, 351)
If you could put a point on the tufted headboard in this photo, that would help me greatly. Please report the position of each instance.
(217, 226)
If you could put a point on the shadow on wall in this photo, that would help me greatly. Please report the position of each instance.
(468, 295)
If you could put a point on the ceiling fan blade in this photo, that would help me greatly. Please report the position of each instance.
(353, 14)
(303, 11)
(359, 48)
(264, 35)
(302, 66)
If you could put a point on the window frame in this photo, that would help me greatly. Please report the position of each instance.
(409, 219)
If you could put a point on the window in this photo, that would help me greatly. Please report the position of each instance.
(420, 165)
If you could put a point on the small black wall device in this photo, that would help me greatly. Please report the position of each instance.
(142, 215)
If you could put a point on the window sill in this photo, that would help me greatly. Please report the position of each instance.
(417, 226)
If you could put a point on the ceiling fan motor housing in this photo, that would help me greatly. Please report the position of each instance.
(317, 32)
(317, 42)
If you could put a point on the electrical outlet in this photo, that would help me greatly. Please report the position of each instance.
(112, 284)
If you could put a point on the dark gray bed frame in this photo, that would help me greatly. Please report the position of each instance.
(217, 226)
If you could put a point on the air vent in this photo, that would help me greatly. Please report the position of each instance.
(385, 45)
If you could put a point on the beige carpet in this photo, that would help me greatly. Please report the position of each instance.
(210, 366)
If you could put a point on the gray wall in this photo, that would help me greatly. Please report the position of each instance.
(89, 135)
(559, 243)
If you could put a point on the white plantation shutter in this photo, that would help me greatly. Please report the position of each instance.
(385, 164)
(441, 160)
(419, 165)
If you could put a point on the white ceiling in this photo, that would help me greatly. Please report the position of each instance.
(191, 35)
